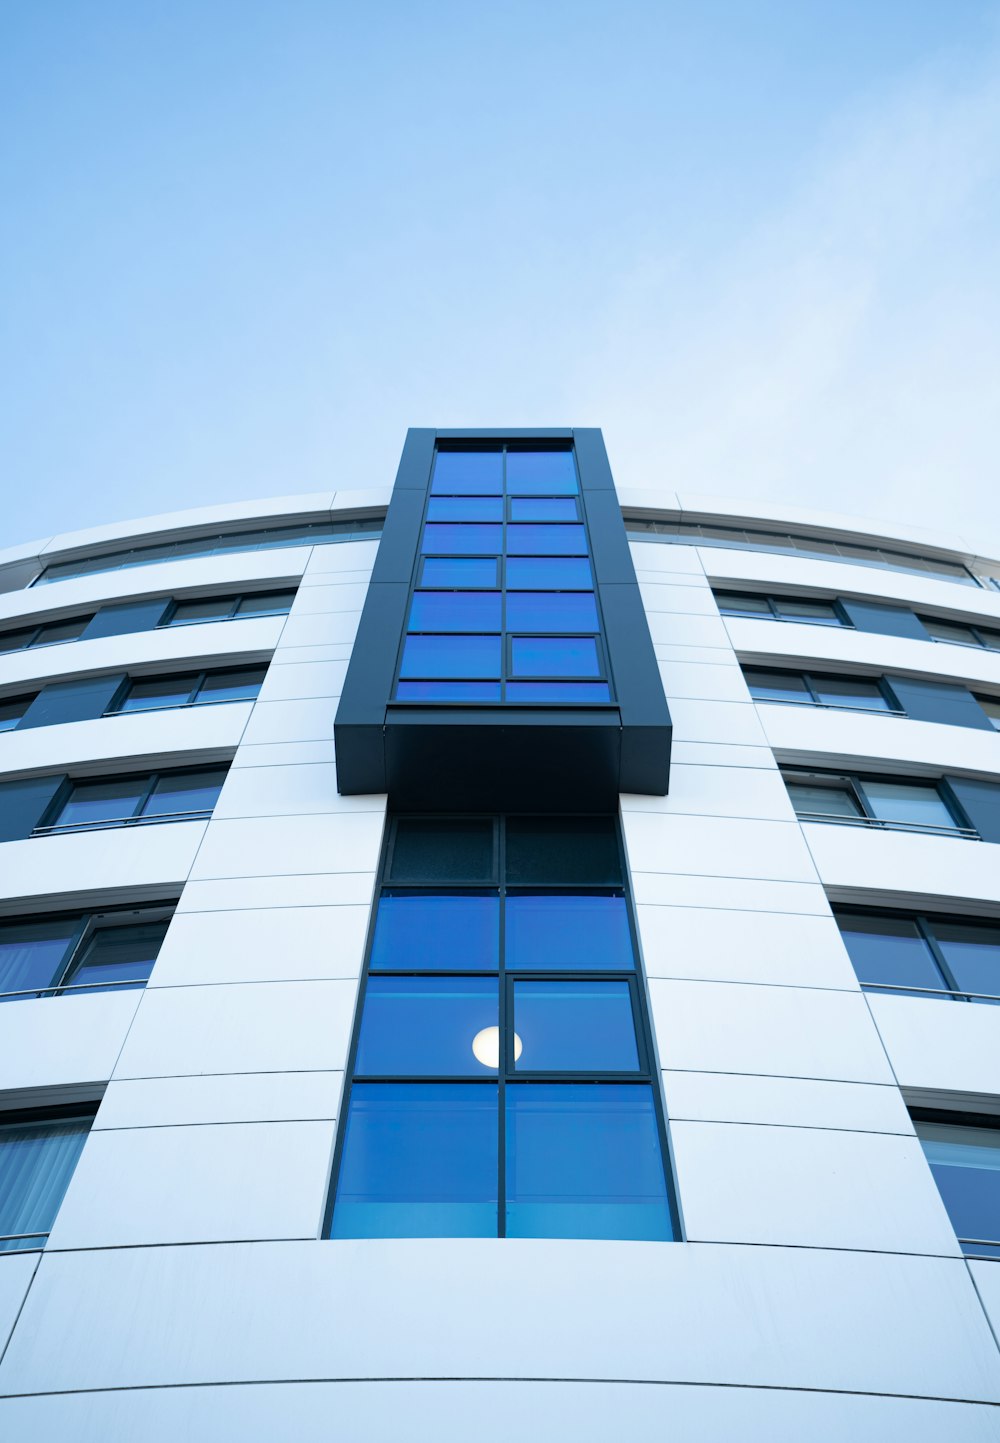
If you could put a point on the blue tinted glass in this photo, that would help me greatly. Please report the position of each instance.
(36, 1163)
(461, 571)
(543, 508)
(583, 1161)
(575, 1027)
(455, 611)
(965, 1162)
(468, 473)
(541, 473)
(465, 508)
(889, 950)
(419, 1160)
(425, 1026)
(33, 954)
(185, 792)
(972, 952)
(464, 540)
(558, 691)
(527, 540)
(437, 931)
(554, 656)
(451, 656)
(552, 611)
(118, 957)
(571, 933)
(448, 691)
(101, 801)
(548, 573)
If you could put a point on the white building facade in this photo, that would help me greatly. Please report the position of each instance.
(185, 918)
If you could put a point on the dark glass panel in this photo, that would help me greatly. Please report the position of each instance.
(157, 692)
(118, 957)
(33, 954)
(23, 804)
(242, 685)
(554, 656)
(437, 931)
(888, 950)
(888, 620)
(583, 1161)
(833, 801)
(972, 952)
(965, 1162)
(991, 706)
(528, 540)
(128, 617)
(559, 611)
(541, 473)
(70, 701)
(952, 631)
(554, 850)
(419, 1160)
(849, 691)
(12, 709)
(909, 802)
(467, 540)
(266, 603)
(214, 608)
(938, 702)
(431, 849)
(734, 603)
(451, 656)
(465, 508)
(549, 573)
(543, 508)
(461, 571)
(16, 640)
(981, 803)
(448, 691)
(54, 632)
(776, 685)
(990, 638)
(819, 613)
(426, 1027)
(558, 691)
(468, 473)
(455, 611)
(573, 933)
(36, 1163)
(575, 1027)
(110, 800)
(185, 792)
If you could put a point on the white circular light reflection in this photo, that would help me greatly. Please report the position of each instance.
(486, 1047)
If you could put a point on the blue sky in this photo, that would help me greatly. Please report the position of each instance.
(244, 245)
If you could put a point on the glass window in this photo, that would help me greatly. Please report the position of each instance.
(735, 603)
(428, 1027)
(12, 709)
(540, 540)
(827, 801)
(33, 954)
(16, 640)
(465, 508)
(461, 571)
(442, 849)
(178, 792)
(54, 632)
(468, 473)
(67, 701)
(582, 851)
(470, 539)
(972, 953)
(543, 508)
(571, 932)
(451, 656)
(126, 618)
(952, 631)
(889, 951)
(266, 603)
(242, 685)
(455, 611)
(448, 691)
(965, 1162)
(437, 931)
(990, 638)
(554, 656)
(991, 706)
(211, 608)
(583, 1161)
(575, 1026)
(558, 611)
(156, 692)
(776, 685)
(110, 800)
(37, 1158)
(819, 613)
(848, 691)
(419, 1160)
(558, 691)
(117, 958)
(541, 473)
(549, 573)
(920, 806)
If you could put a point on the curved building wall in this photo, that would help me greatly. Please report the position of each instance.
(185, 1289)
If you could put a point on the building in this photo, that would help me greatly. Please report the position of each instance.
(688, 993)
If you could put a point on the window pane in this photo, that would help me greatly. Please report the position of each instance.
(991, 706)
(451, 656)
(552, 611)
(826, 801)
(15, 640)
(185, 792)
(889, 950)
(543, 508)
(267, 603)
(426, 1027)
(776, 686)
(448, 691)
(548, 573)
(554, 850)
(12, 709)
(465, 508)
(541, 473)
(583, 1161)
(216, 608)
(468, 473)
(849, 691)
(56, 631)
(455, 611)
(464, 540)
(554, 656)
(437, 931)
(159, 691)
(908, 802)
(972, 952)
(232, 685)
(734, 603)
(463, 571)
(419, 1160)
(952, 631)
(990, 638)
(33, 954)
(822, 613)
(573, 933)
(126, 618)
(525, 540)
(575, 1027)
(965, 1162)
(90, 803)
(442, 850)
(122, 955)
(36, 1163)
(558, 691)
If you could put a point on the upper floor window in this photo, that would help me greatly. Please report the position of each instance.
(963, 1151)
(67, 953)
(923, 955)
(877, 801)
(87, 698)
(781, 608)
(120, 801)
(961, 633)
(897, 696)
(38, 1153)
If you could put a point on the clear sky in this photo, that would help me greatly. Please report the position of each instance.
(245, 243)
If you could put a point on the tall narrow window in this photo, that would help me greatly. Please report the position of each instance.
(502, 1076)
(38, 1152)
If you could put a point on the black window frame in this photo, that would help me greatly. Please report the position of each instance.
(853, 783)
(810, 678)
(48, 828)
(773, 602)
(984, 1122)
(64, 1112)
(88, 925)
(924, 922)
(194, 694)
(978, 632)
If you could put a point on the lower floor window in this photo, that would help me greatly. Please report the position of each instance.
(67, 953)
(964, 1156)
(38, 1152)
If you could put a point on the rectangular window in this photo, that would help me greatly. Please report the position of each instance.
(502, 1068)
(38, 1152)
(70, 952)
(955, 958)
(964, 1156)
(877, 801)
(991, 706)
(121, 801)
(190, 689)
